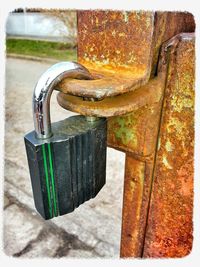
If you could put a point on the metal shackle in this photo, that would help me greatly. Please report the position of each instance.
(43, 90)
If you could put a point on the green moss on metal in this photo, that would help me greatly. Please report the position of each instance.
(124, 130)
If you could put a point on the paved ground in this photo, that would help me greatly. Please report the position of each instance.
(92, 230)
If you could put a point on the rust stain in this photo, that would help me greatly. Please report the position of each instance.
(137, 188)
(113, 106)
(113, 41)
(104, 85)
(134, 132)
(108, 44)
(133, 195)
(167, 25)
(121, 58)
(121, 49)
(169, 230)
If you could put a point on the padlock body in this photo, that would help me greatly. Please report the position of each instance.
(70, 167)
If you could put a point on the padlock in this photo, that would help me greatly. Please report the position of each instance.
(67, 159)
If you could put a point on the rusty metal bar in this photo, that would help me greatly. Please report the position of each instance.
(136, 195)
(169, 226)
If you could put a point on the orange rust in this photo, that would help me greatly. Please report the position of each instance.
(137, 178)
(164, 218)
(109, 44)
(118, 105)
(166, 24)
(121, 49)
(113, 41)
(133, 191)
(108, 85)
(169, 229)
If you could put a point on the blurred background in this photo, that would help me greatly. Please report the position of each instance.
(36, 39)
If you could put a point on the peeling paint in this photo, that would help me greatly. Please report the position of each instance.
(166, 163)
(126, 16)
(125, 134)
(169, 146)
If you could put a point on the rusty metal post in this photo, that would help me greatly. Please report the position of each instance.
(150, 110)
(169, 225)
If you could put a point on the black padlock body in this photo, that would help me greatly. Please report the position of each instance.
(70, 167)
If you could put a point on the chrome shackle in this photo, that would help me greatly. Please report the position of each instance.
(43, 90)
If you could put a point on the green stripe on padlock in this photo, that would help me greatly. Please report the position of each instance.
(51, 191)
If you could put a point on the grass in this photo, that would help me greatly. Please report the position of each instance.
(60, 51)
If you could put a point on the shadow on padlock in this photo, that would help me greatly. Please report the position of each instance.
(67, 159)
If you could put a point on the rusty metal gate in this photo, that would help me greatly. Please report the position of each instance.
(143, 64)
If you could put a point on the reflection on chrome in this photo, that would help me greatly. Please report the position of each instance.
(43, 91)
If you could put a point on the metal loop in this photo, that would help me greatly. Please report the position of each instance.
(43, 91)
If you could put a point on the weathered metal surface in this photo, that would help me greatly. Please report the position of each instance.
(137, 186)
(109, 44)
(169, 228)
(167, 25)
(123, 45)
(136, 134)
(137, 131)
(105, 84)
(133, 184)
(148, 94)
(121, 49)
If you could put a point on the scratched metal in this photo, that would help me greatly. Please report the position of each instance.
(169, 229)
